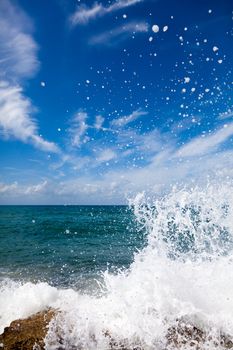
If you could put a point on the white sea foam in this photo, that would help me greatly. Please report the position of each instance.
(184, 273)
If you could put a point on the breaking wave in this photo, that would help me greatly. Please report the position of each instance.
(177, 292)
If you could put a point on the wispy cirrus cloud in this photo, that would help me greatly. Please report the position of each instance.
(138, 160)
(99, 120)
(18, 61)
(119, 34)
(16, 121)
(80, 125)
(18, 49)
(129, 145)
(226, 115)
(84, 14)
(206, 143)
(120, 122)
(78, 129)
(159, 170)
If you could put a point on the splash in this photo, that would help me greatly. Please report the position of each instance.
(178, 292)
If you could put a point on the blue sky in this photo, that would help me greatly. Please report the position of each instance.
(102, 100)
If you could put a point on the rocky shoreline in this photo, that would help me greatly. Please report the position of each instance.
(29, 334)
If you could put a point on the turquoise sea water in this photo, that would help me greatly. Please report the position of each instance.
(66, 245)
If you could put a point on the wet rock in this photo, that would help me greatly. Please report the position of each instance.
(27, 334)
(185, 335)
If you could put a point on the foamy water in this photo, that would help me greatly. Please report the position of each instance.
(184, 273)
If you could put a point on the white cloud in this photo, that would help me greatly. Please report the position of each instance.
(185, 124)
(85, 14)
(160, 170)
(99, 120)
(18, 61)
(78, 129)
(128, 141)
(148, 161)
(16, 121)
(115, 186)
(145, 145)
(206, 143)
(38, 188)
(18, 50)
(119, 143)
(5, 188)
(106, 155)
(226, 115)
(120, 33)
(25, 193)
(120, 122)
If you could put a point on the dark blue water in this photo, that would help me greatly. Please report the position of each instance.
(66, 245)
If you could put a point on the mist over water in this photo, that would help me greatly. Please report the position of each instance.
(183, 272)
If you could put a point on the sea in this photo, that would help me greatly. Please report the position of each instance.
(123, 277)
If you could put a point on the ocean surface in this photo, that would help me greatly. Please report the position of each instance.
(66, 246)
(123, 276)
